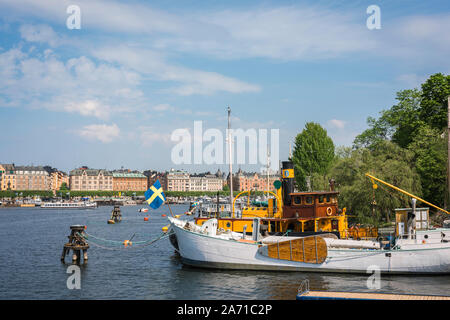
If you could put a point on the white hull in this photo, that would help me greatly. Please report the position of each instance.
(214, 252)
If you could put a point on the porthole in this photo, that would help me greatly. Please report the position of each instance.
(425, 236)
(228, 224)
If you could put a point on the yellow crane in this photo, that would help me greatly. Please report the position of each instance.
(405, 192)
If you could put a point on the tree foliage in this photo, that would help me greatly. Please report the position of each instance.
(417, 123)
(313, 153)
(386, 161)
(434, 104)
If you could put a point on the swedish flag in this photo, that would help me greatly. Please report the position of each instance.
(155, 196)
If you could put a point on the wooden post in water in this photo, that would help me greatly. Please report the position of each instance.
(77, 243)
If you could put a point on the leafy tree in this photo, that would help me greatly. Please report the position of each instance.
(430, 150)
(313, 153)
(398, 124)
(386, 161)
(434, 104)
(64, 187)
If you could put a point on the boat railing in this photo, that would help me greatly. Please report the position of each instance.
(304, 287)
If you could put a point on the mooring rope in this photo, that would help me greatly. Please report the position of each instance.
(129, 245)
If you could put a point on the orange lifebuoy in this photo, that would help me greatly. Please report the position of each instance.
(329, 211)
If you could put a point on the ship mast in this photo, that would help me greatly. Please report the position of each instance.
(230, 158)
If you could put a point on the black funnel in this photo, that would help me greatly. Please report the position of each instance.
(287, 171)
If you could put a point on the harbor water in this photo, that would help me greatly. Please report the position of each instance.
(32, 239)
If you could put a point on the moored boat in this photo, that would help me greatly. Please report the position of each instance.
(428, 252)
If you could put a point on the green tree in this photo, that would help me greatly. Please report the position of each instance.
(399, 123)
(386, 161)
(430, 151)
(434, 104)
(64, 187)
(313, 153)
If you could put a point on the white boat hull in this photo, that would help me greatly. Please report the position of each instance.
(198, 249)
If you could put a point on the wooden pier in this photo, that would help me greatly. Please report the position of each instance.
(325, 295)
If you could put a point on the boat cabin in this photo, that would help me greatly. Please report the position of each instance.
(311, 205)
(408, 221)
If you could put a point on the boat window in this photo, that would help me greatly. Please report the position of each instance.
(328, 198)
(321, 198)
(309, 200)
(297, 200)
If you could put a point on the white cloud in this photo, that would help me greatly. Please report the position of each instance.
(39, 33)
(150, 135)
(192, 81)
(89, 108)
(335, 123)
(295, 32)
(101, 132)
(76, 85)
(163, 107)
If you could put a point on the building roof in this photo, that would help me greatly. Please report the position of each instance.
(90, 172)
(128, 175)
(29, 168)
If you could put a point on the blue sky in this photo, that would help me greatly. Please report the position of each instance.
(111, 93)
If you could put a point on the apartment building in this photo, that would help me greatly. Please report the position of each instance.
(90, 179)
(129, 181)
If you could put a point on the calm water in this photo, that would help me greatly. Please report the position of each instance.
(31, 242)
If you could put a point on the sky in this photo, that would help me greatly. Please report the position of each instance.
(111, 93)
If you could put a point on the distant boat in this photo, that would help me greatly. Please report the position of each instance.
(27, 205)
(69, 205)
(143, 210)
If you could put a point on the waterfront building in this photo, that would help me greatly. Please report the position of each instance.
(206, 182)
(57, 178)
(7, 177)
(85, 179)
(32, 178)
(253, 181)
(152, 176)
(126, 180)
(175, 180)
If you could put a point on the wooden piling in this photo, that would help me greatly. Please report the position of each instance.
(76, 243)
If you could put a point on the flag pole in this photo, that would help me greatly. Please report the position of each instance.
(170, 209)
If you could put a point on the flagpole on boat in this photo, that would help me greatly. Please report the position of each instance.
(170, 209)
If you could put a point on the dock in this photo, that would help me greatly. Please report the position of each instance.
(325, 295)
(304, 293)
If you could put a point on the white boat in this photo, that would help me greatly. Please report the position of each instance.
(428, 252)
(69, 205)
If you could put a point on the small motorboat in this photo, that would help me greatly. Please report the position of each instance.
(143, 210)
